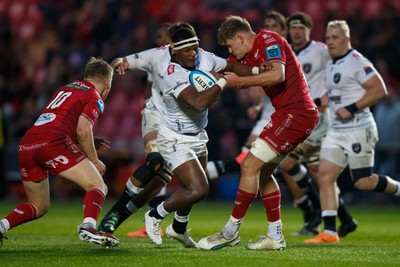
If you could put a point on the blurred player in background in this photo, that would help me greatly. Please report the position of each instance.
(162, 39)
(353, 85)
(50, 146)
(313, 57)
(294, 119)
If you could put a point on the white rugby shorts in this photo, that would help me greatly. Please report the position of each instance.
(151, 119)
(316, 137)
(177, 149)
(356, 147)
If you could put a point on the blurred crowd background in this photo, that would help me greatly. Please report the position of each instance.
(45, 44)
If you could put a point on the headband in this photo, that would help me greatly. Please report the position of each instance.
(297, 22)
(185, 43)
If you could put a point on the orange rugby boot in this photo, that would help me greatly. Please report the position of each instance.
(323, 238)
(141, 233)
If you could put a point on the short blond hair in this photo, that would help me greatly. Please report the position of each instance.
(341, 25)
(98, 69)
(232, 26)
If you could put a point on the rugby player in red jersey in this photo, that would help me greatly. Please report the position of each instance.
(294, 119)
(50, 145)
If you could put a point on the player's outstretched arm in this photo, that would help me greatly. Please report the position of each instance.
(120, 65)
(268, 78)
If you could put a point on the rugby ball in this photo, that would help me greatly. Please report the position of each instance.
(201, 80)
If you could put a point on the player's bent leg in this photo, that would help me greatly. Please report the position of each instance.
(93, 202)
(38, 195)
(141, 183)
(86, 169)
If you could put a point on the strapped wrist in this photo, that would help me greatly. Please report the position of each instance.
(222, 83)
(317, 101)
(255, 70)
(352, 108)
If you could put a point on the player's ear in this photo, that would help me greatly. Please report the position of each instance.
(240, 37)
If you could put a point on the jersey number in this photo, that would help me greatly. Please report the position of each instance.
(59, 99)
(59, 159)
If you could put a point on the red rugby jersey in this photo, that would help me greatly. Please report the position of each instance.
(62, 113)
(294, 91)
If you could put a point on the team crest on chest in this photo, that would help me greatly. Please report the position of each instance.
(307, 67)
(336, 78)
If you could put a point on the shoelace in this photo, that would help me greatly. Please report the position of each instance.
(156, 224)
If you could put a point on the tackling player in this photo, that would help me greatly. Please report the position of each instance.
(294, 119)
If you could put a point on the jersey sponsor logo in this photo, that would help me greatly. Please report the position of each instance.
(171, 69)
(273, 51)
(45, 118)
(356, 148)
(368, 70)
(336, 77)
(307, 67)
(336, 99)
(79, 85)
(178, 84)
(100, 105)
(31, 147)
(270, 40)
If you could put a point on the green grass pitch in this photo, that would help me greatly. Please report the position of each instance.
(53, 241)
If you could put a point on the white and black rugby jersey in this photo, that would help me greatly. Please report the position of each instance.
(313, 58)
(179, 117)
(154, 61)
(344, 77)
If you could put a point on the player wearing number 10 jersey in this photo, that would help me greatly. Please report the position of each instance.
(49, 146)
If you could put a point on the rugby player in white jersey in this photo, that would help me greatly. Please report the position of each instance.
(353, 85)
(181, 138)
(313, 57)
(154, 61)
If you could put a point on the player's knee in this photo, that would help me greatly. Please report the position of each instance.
(154, 163)
(198, 193)
(41, 208)
(363, 179)
(247, 166)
